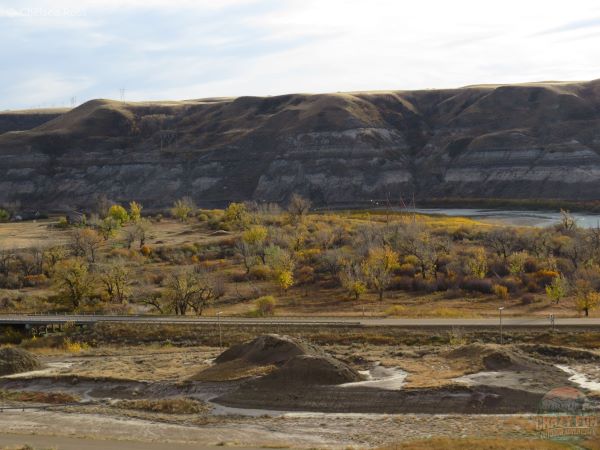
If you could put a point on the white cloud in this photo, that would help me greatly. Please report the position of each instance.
(195, 48)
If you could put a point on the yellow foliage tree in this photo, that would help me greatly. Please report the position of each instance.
(118, 214)
(255, 235)
(378, 268)
(587, 302)
(74, 281)
(237, 215)
(285, 279)
(478, 263)
(135, 212)
(183, 208)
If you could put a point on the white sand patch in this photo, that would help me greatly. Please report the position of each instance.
(478, 378)
(390, 378)
(580, 379)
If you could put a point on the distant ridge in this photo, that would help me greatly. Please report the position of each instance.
(531, 140)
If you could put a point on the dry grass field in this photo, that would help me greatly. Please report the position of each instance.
(433, 270)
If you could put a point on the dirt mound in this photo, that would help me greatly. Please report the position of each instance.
(495, 357)
(236, 369)
(269, 349)
(15, 360)
(561, 354)
(278, 362)
(311, 370)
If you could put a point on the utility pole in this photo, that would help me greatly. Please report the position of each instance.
(501, 337)
(122, 93)
(219, 324)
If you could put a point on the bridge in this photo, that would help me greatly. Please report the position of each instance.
(90, 319)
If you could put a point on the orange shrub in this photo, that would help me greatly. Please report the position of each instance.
(545, 277)
(146, 250)
(34, 280)
(500, 291)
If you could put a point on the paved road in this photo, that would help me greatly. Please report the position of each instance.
(302, 321)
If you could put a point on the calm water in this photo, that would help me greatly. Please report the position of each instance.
(514, 217)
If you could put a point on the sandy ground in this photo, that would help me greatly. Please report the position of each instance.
(102, 376)
(294, 430)
(74, 443)
(17, 235)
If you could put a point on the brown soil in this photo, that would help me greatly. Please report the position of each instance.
(305, 370)
(269, 349)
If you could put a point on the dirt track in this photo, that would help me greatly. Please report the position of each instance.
(291, 431)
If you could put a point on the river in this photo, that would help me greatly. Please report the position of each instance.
(514, 217)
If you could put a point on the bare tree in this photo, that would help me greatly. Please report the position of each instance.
(6, 259)
(86, 243)
(193, 289)
(503, 241)
(114, 277)
(298, 207)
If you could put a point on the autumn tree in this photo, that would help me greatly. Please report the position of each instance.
(86, 243)
(118, 214)
(557, 289)
(192, 289)
(415, 240)
(516, 263)
(567, 222)
(378, 268)
(114, 277)
(298, 208)
(6, 259)
(251, 246)
(31, 261)
(52, 255)
(108, 227)
(138, 231)
(586, 301)
(282, 263)
(135, 211)
(73, 279)
(586, 284)
(183, 208)
(353, 280)
(237, 216)
(477, 262)
(503, 241)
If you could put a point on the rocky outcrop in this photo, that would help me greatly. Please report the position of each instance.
(539, 141)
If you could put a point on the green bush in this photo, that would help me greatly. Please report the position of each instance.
(4, 215)
(265, 306)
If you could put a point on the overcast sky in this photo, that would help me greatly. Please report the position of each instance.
(181, 49)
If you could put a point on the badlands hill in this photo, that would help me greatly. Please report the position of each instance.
(535, 141)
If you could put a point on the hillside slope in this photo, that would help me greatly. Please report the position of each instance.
(537, 140)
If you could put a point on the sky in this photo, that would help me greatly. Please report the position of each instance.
(62, 52)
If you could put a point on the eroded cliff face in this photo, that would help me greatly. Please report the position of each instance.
(523, 141)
